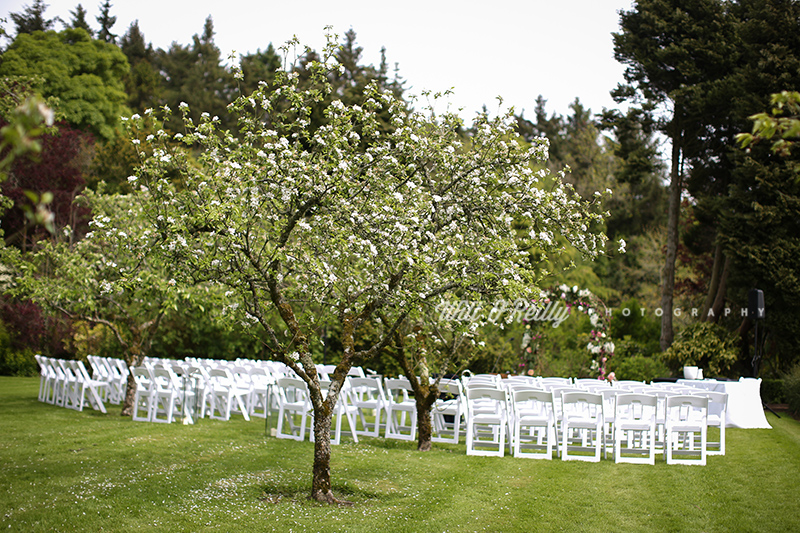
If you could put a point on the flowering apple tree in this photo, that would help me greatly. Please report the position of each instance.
(348, 220)
(108, 278)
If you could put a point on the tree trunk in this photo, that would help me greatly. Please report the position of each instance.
(668, 273)
(130, 396)
(424, 426)
(719, 301)
(321, 476)
(713, 285)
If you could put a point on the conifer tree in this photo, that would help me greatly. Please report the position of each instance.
(78, 20)
(106, 21)
(32, 18)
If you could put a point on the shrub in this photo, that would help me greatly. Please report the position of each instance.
(772, 391)
(639, 368)
(705, 345)
(14, 361)
(791, 389)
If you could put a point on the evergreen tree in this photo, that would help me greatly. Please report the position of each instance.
(758, 218)
(78, 20)
(32, 18)
(257, 67)
(143, 83)
(106, 21)
(195, 75)
(675, 52)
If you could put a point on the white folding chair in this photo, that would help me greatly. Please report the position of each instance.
(47, 379)
(447, 412)
(582, 428)
(294, 408)
(260, 392)
(401, 410)
(89, 390)
(635, 426)
(72, 388)
(686, 430)
(534, 425)
(717, 415)
(226, 395)
(487, 421)
(370, 403)
(166, 393)
(143, 399)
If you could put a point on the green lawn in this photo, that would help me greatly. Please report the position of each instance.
(70, 471)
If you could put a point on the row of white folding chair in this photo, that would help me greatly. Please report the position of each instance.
(67, 383)
(716, 415)
(618, 414)
(112, 371)
(219, 391)
(228, 387)
(161, 395)
(295, 413)
(567, 419)
(375, 403)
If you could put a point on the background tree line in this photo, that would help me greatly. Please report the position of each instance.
(701, 229)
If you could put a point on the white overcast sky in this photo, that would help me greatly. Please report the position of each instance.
(561, 49)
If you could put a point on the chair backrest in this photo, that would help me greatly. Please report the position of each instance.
(581, 404)
(366, 389)
(450, 386)
(715, 397)
(292, 390)
(717, 402)
(482, 380)
(555, 382)
(165, 379)
(143, 377)
(325, 372)
(685, 408)
(625, 384)
(486, 400)
(635, 406)
(398, 390)
(357, 372)
(260, 376)
(520, 397)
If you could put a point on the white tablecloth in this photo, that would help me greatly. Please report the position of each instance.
(745, 409)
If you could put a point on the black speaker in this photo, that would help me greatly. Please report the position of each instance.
(755, 304)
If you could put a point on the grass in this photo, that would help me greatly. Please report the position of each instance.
(65, 470)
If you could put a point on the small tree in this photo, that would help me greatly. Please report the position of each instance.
(347, 220)
(108, 278)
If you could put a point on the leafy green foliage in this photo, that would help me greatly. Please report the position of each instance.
(84, 74)
(14, 361)
(705, 345)
(791, 389)
(143, 82)
(783, 120)
(636, 367)
(106, 21)
(78, 20)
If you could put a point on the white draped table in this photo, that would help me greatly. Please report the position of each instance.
(745, 409)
